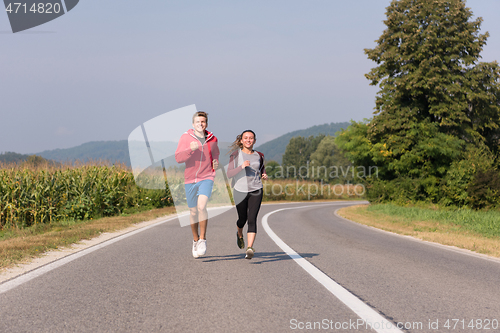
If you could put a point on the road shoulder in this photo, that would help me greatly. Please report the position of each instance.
(455, 241)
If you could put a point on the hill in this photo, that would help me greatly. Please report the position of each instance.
(118, 151)
(10, 157)
(274, 149)
(113, 151)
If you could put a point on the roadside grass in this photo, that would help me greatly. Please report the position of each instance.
(20, 245)
(477, 231)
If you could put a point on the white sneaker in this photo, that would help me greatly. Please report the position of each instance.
(250, 252)
(195, 249)
(202, 247)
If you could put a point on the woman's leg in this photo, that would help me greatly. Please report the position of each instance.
(241, 208)
(254, 202)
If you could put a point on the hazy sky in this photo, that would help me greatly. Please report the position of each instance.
(102, 69)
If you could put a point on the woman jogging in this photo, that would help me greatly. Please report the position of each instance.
(246, 167)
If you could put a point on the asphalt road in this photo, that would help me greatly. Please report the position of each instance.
(149, 282)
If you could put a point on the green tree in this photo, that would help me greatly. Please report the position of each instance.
(436, 100)
(428, 73)
(272, 169)
(297, 155)
(328, 163)
(11, 157)
(37, 161)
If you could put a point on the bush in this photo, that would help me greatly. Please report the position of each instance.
(403, 190)
(473, 182)
(467, 181)
(484, 190)
(456, 182)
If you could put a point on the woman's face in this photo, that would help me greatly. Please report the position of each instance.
(248, 140)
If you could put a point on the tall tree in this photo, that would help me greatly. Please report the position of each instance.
(435, 96)
(436, 101)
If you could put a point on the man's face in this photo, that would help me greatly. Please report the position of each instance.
(200, 124)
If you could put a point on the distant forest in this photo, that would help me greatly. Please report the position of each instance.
(112, 151)
(273, 150)
(10, 157)
(118, 152)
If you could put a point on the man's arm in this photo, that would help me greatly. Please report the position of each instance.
(184, 149)
(215, 150)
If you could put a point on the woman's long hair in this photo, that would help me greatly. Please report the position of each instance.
(237, 143)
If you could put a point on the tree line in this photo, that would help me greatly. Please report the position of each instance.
(315, 158)
(435, 136)
(435, 133)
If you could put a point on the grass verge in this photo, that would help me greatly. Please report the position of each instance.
(472, 230)
(20, 245)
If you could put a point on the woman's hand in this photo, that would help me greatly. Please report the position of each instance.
(264, 176)
(245, 164)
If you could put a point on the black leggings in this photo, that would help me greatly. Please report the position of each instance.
(248, 206)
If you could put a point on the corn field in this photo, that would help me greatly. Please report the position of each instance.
(30, 195)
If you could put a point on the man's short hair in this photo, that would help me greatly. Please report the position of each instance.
(201, 114)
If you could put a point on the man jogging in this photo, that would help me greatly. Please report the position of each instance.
(198, 149)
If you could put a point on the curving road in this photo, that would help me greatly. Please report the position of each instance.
(360, 280)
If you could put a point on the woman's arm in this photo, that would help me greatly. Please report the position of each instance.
(233, 170)
(263, 173)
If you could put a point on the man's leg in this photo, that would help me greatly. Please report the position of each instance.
(202, 215)
(193, 217)
(204, 191)
(191, 199)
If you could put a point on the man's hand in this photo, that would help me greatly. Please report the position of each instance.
(264, 176)
(215, 164)
(193, 145)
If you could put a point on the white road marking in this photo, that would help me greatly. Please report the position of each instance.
(366, 313)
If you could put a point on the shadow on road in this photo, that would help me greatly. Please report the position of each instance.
(259, 258)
